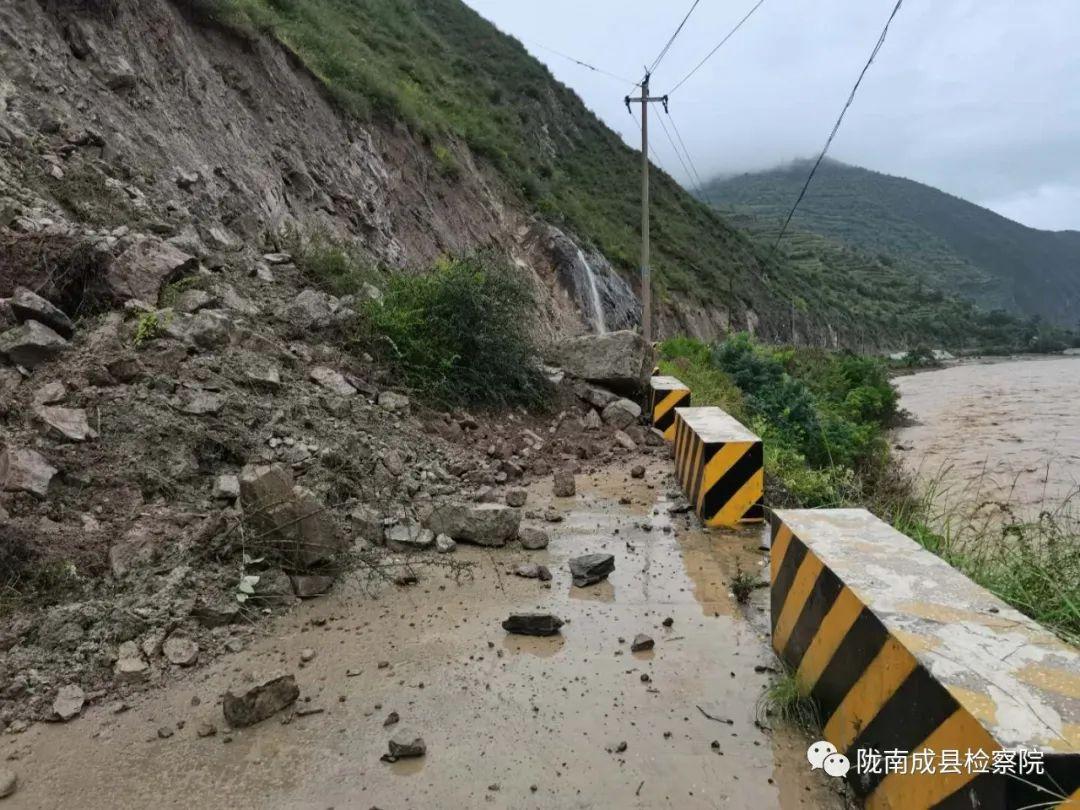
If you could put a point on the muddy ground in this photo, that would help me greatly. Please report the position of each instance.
(509, 721)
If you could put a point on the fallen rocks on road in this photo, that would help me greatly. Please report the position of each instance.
(260, 702)
(589, 569)
(563, 484)
(69, 702)
(620, 360)
(405, 744)
(8, 782)
(533, 624)
(621, 413)
(485, 524)
(641, 643)
(533, 571)
(444, 544)
(409, 536)
(637, 471)
(532, 538)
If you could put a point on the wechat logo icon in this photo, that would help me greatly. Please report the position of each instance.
(823, 755)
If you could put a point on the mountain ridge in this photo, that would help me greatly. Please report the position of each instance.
(958, 246)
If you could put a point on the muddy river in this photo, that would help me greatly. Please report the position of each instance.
(509, 721)
(1002, 430)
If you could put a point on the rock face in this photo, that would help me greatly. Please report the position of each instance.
(621, 361)
(591, 568)
(260, 702)
(141, 270)
(563, 484)
(290, 521)
(29, 306)
(24, 470)
(532, 624)
(485, 524)
(31, 344)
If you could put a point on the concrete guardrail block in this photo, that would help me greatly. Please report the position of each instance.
(720, 466)
(937, 692)
(665, 395)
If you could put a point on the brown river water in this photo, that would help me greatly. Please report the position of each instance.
(1005, 431)
(509, 721)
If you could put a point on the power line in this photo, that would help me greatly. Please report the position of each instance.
(583, 64)
(708, 56)
(671, 41)
(675, 149)
(836, 126)
(678, 135)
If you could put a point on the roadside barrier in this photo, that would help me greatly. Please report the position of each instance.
(665, 395)
(912, 664)
(720, 466)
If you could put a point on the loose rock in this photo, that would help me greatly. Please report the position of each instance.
(25, 470)
(516, 497)
(591, 568)
(69, 702)
(29, 306)
(260, 702)
(563, 484)
(532, 538)
(532, 624)
(637, 471)
(485, 524)
(31, 344)
(405, 744)
(444, 544)
(180, 650)
(641, 643)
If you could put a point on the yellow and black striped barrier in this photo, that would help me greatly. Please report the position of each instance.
(665, 395)
(720, 466)
(932, 687)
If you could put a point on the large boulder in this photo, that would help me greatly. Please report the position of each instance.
(485, 524)
(144, 268)
(29, 306)
(31, 344)
(621, 361)
(311, 309)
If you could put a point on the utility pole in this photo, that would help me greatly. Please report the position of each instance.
(646, 275)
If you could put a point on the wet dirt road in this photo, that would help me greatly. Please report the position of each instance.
(1006, 431)
(509, 721)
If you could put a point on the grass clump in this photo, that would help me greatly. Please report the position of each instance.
(785, 701)
(337, 267)
(460, 335)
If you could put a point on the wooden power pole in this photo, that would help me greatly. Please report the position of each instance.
(646, 275)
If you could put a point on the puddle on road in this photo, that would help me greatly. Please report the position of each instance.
(500, 714)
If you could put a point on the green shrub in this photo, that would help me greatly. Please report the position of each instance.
(461, 335)
(334, 266)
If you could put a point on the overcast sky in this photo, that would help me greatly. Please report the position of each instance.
(980, 98)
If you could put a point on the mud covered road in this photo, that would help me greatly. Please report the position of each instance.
(509, 721)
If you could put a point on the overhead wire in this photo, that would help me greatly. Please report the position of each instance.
(836, 127)
(583, 63)
(709, 55)
(674, 126)
(675, 149)
(671, 40)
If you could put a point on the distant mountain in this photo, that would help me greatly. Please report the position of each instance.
(952, 245)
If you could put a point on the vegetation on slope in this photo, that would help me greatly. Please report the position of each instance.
(949, 243)
(452, 78)
(824, 418)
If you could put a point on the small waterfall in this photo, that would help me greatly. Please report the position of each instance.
(594, 297)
